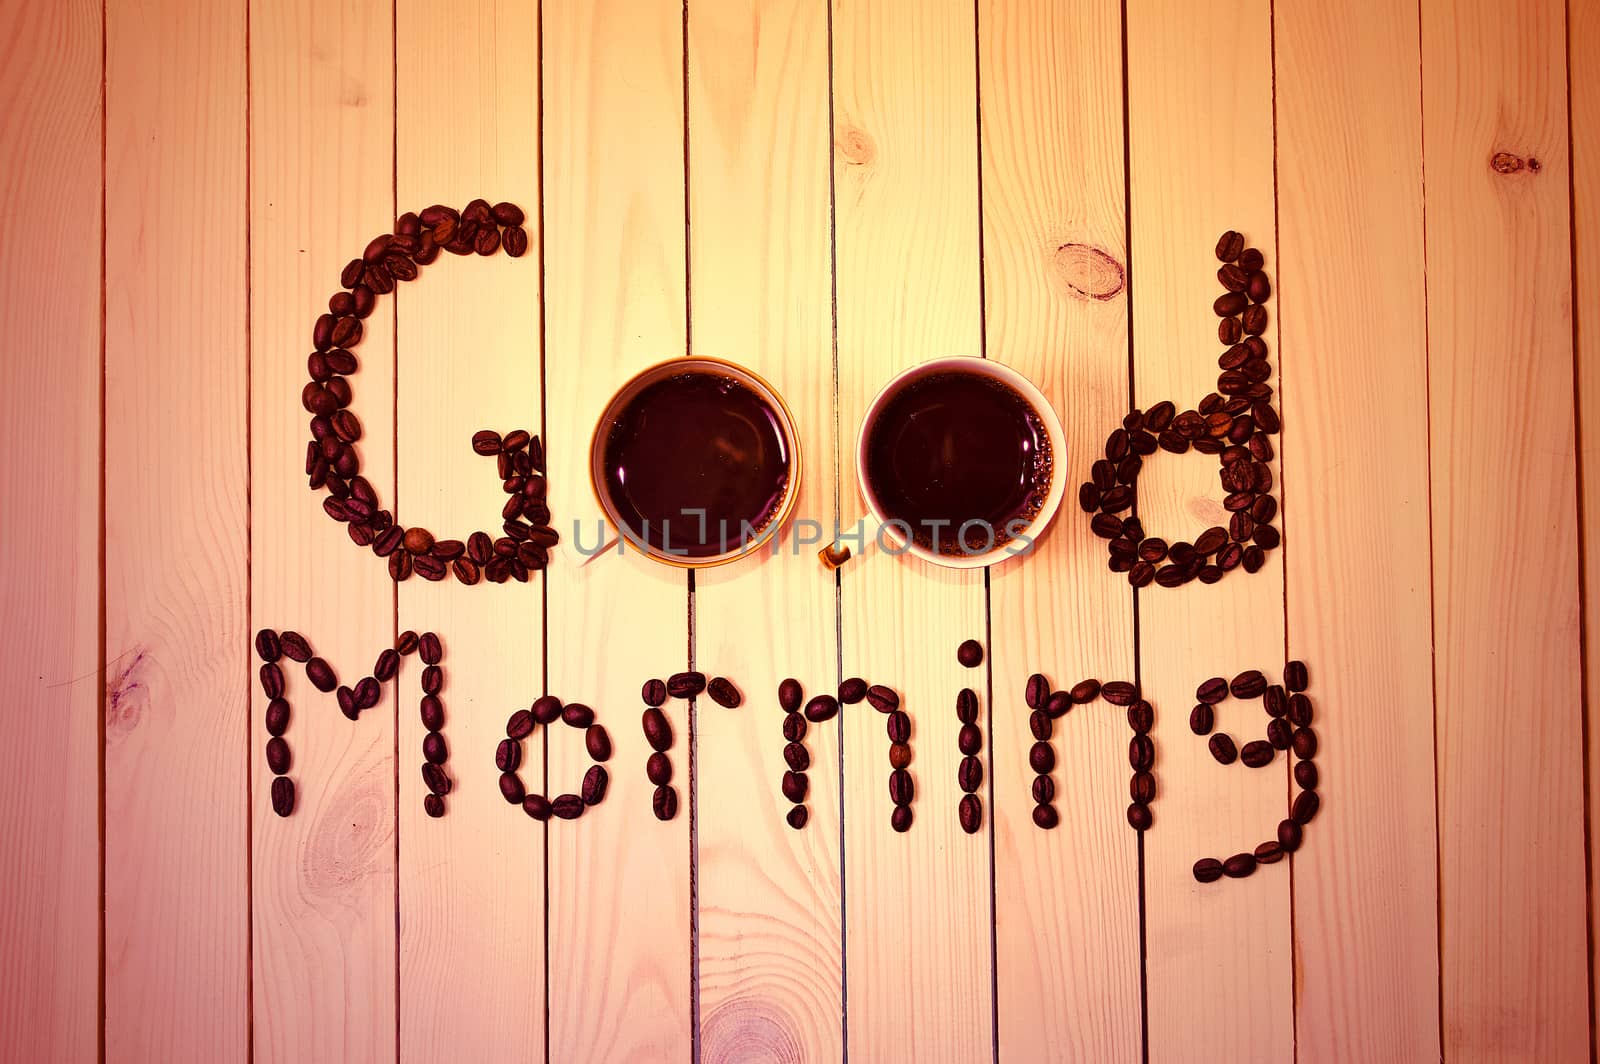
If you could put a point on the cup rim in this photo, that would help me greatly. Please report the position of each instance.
(1029, 392)
(689, 364)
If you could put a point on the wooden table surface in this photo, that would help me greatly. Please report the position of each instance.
(827, 192)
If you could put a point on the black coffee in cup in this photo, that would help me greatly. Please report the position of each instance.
(695, 464)
(960, 458)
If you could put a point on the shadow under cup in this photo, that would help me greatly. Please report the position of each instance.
(961, 461)
(696, 462)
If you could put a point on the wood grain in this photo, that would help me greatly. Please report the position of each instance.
(770, 950)
(917, 905)
(1506, 619)
(1200, 162)
(1347, 153)
(615, 302)
(321, 184)
(177, 556)
(1067, 953)
(50, 423)
(1583, 43)
(468, 358)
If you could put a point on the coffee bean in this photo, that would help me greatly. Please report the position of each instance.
(1305, 807)
(283, 795)
(658, 769)
(901, 787)
(1142, 787)
(1229, 246)
(516, 241)
(1212, 691)
(1305, 774)
(970, 653)
(1304, 743)
(1039, 724)
(883, 699)
(1201, 719)
(1239, 865)
(1253, 319)
(899, 755)
(1299, 710)
(432, 713)
(486, 442)
(387, 665)
(969, 740)
(277, 755)
(593, 789)
(969, 813)
(900, 818)
(1276, 702)
(657, 731)
(1289, 834)
(577, 715)
(435, 779)
(969, 774)
(546, 709)
(432, 680)
(852, 690)
(899, 727)
(686, 684)
(794, 727)
(1257, 754)
(654, 693)
(1207, 870)
(1295, 676)
(1279, 734)
(1085, 691)
(1141, 753)
(1141, 717)
(271, 681)
(797, 817)
(1119, 693)
(1044, 816)
(1250, 260)
(967, 705)
(664, 803)
(790, 695)
(1230, 303)
(520, 724)
(507, 756)
(1057, 704)
(1042, 758)
(434, 748)
(1139, 816)
(1037, 691)
(797, 757)
(407, 643)
(277, 717)
(598, 742)
(821, 708)
(794, 786)
(537, 806)
(723, 693)
(267, 645)
(321, 675)
(1248, 684)
(1254, 559)
(346, 697)
(1222, 749)
(571, 806)
(433, 805)
(1268, 853)
(511, 788)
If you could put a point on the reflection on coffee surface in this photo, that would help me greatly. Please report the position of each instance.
(693, 443)
(954, 449)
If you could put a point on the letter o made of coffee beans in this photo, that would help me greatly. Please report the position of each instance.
(546, 711)
(1235, 424)
(522, 544)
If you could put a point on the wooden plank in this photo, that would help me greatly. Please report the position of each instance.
(322, 110)
(1583, 30)
(1200, 162)
(1367, 879)
(1506, 619)
(177, 536)
(1067, 953)
(770, 951)
(50, 421)
(467, 357)
(615, 296)
(917, 905)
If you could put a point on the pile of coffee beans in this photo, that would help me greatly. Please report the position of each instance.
(969, 774)
(547, 710)
(332, 461)
(797, 712)
(1234, 423)
(1046, 706)
(275, 647)
(1289, 714)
